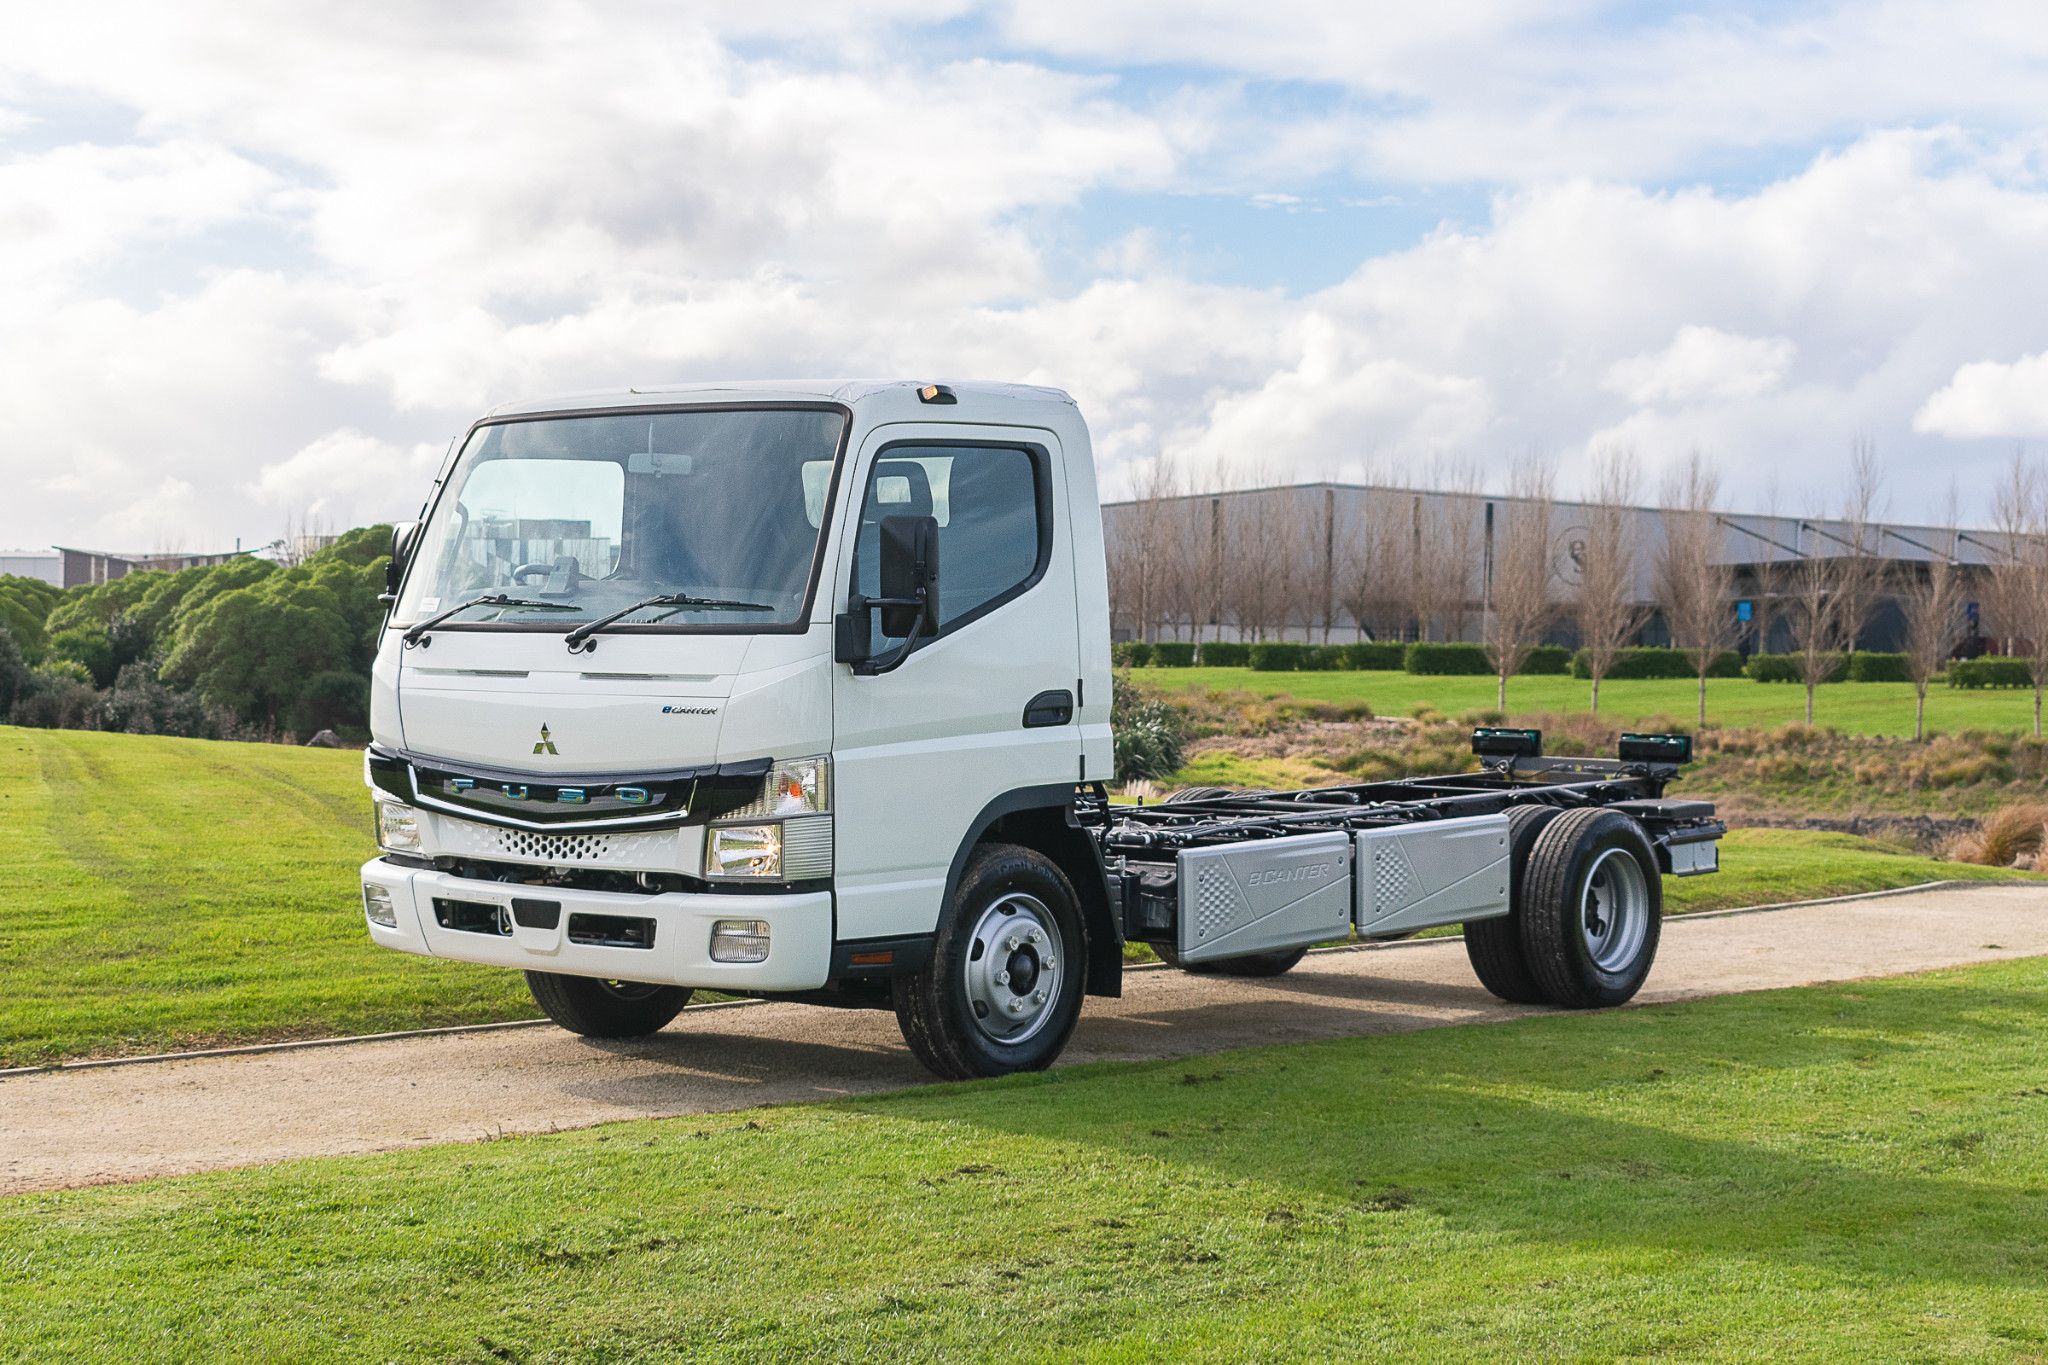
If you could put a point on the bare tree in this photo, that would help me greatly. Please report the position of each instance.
(1523, 605)
(1373, 564)
(1829, 592)
(2019, 573)
(1152, 528)
(1694, 580)
(1446, 552)
(1255, 571)
(1933, 607)
(1608, 609)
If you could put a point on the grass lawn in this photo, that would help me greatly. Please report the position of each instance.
(1849, 1172)
(1853, 708)
(171, 893)
(161, 894)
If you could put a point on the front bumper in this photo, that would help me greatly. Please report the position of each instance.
(800, 931)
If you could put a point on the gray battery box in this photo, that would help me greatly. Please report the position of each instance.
(1263, 895)
(1432, 872)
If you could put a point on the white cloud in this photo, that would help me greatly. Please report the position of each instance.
(1701, 363)
(457, 207)
(1990, 398)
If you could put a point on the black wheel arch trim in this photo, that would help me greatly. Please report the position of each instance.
(1076, 855)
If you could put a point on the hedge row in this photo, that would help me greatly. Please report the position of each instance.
(1651, 662)
(1991, 671)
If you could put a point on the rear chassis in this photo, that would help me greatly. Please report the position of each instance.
(1215, 874)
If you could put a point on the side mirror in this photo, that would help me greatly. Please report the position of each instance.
(908, 600)
(404, 539)
(910, 576)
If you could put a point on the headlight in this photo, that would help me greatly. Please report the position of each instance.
(743, 851)
(398, 827)
(796, 786)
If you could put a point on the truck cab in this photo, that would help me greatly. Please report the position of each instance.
(765, 689)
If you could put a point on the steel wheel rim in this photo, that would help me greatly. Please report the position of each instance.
(1614, 910)
(629, 991)
(1016, 963)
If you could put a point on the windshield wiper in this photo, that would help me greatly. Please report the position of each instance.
(576, 638)
(496, 599)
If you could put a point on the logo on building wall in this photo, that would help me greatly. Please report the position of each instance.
(1568, 562)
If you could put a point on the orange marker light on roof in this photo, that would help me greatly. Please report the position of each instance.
(936, 393)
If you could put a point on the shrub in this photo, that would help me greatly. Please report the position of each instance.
(1552, 660)
(1443, 660)
(2013, 834)
(1322, 658)
(1147, 729)
(14, 673)
(335, 700)
(1878, 668)
(1226, 654)
(1173, 654)
(1276, 656)
(1655, 662)
(1990, 671)
(1130, 654)
(1789, 668)
(141, 705)
(89, 647)
(1379, 655)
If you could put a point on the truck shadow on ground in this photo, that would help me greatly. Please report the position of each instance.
(1550, 1130)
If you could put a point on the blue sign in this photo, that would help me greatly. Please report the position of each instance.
(1745, 611)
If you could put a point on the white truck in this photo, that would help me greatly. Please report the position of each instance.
(803, 691)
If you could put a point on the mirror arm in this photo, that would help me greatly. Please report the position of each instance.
(872, 665)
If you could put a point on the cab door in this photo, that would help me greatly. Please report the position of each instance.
(981, 709)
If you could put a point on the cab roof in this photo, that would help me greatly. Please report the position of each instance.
(852, 392)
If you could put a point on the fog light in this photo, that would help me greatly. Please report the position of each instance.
(377, 905)
(743, 851)
(739, 940)
(398, 827)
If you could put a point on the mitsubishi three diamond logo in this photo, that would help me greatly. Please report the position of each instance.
(545, 745)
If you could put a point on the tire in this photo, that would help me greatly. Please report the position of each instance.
(1592, 909)
(1494, 946)
(1250, 965)
(606, 1009)
(982, 1005)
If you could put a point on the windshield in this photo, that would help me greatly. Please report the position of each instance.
(574, 518)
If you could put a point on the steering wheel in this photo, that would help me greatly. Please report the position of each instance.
(526, 573)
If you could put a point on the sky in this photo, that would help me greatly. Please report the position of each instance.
(260, 262)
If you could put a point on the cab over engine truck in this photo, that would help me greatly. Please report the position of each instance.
(803, 691)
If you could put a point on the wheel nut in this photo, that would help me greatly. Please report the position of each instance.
(1047, 964)
(1037, 937)
(1002, 978)
(1038, 999)
(1016, 1007)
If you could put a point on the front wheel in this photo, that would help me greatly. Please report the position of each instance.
(606, 1009)
(1002, 990)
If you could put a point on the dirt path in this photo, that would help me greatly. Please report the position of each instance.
(60, 1129)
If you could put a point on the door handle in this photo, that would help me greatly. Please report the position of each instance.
(1049, 708)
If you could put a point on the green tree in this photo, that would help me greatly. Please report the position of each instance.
(89, 646)
(251, 649)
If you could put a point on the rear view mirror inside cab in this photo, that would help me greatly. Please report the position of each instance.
(660, 462)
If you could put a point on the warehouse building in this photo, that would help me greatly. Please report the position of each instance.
(1346, 561)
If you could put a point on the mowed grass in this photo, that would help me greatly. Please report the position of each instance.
(170, 893)
(1853, 708)
(1851, 1172)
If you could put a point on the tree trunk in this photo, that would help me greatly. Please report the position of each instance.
(1596, 694)
(1920, 713)
(1500, 701)
(2037, 710)
(1809, 703)
(1703, 701)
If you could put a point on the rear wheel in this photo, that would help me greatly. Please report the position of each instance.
(1494, 946)
(1002, 990)
(597, 1008)
(1252, 964)
(1593, 909)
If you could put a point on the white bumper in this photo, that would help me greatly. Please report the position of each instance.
(800, 932)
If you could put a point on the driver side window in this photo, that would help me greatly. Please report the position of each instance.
(994, 531)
